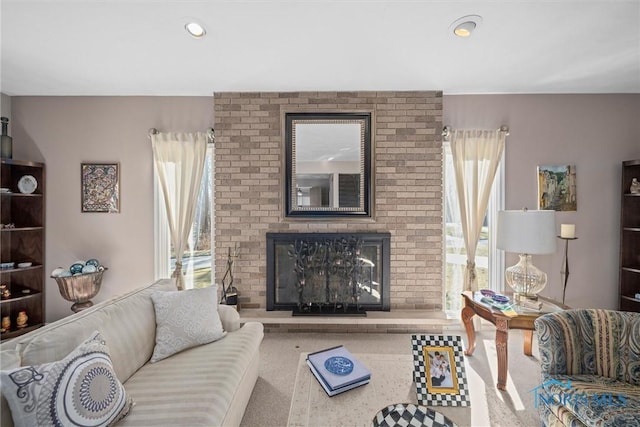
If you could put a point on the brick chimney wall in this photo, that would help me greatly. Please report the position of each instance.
(408, 171)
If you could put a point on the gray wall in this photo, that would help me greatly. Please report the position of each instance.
(63, 132)
(593, 132)
(5, 108)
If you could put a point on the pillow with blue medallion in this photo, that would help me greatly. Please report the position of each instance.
(80, 390)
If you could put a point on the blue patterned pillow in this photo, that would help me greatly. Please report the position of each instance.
(81, 390)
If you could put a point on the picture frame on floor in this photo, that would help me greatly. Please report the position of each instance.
(439, 370)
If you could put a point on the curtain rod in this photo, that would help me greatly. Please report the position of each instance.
(446, 131)
(210, 133)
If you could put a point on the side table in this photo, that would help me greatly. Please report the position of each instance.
(523, 320)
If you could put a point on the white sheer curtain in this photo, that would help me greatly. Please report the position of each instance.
(476, 156)
(179, 159)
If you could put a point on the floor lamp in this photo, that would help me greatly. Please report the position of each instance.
(526, 233)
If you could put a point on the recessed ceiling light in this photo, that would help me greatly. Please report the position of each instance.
(464, 26)
(195, 30)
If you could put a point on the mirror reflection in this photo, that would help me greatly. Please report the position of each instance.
(328, 158)
(328, 161)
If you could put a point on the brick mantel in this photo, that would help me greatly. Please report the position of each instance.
(408, 185)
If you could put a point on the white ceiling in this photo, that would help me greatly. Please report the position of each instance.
(139, 47)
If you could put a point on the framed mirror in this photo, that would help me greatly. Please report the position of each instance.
(328, 165)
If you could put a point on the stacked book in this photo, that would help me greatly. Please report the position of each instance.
(337, 370)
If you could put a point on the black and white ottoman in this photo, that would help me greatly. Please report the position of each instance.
(410, 415)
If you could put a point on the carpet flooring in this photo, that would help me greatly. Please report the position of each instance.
(271, 398)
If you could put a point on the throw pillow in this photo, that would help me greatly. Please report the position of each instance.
(185, 319)
(81, 390)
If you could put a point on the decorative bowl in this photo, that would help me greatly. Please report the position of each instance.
(80, 289)
(7, 264)
(487, 293)
(502, 299)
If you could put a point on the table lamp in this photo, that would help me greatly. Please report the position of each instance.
(526, 233)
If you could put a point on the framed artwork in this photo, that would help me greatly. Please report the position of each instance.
(439, 371)
(557, 188)
(100, 190)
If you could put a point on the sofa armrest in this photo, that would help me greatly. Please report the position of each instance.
(552, 341)
(229, 317)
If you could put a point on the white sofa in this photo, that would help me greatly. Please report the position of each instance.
(205, 385)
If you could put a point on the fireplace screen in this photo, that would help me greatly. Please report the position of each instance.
(328, 273)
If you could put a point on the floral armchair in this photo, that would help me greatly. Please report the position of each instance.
(590, 364)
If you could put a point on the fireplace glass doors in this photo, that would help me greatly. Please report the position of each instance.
(328, 273)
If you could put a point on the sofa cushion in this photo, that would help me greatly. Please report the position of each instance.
(197, 386)
(81, 389)
(127, 323)
(185, 319)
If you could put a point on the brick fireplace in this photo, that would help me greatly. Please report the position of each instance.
(407, 186)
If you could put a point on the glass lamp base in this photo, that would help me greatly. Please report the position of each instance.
(525, 279)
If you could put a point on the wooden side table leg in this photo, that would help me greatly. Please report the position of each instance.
(528, 342)
(502, 339)
(467, 314)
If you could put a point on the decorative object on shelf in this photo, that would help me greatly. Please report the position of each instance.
(629, 234)
(78, 288)
(6, 142)
(27, 184)
(6, 324)
(7, 265)
(527, 233)
(229, 292)
(21, 320)
(22, 235)
(5, 293)
(557, 188)
(100, 190)
(567, 232)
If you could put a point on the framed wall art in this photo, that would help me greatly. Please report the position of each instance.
(439, 371)
(100, 189)
(557, 188)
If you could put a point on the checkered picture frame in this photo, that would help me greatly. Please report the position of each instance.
(421, 370)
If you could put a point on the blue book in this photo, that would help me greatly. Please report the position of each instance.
(337, 369)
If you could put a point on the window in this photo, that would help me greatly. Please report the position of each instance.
(489, 261)
(199, 256)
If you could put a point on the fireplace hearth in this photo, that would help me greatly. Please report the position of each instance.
(328, 273)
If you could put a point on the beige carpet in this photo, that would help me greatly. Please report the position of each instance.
(271, 398)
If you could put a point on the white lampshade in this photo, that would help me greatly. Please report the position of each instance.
(527, 232)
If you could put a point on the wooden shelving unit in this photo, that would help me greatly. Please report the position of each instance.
(629, 239)
(24, 242)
